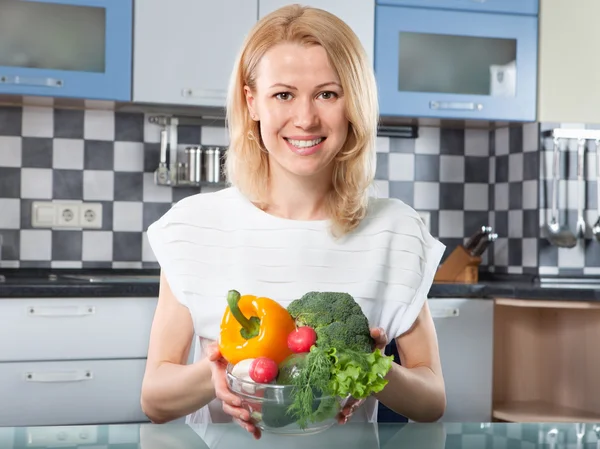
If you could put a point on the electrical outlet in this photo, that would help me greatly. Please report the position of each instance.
(66, 215)
(90, 215)
(426, 217)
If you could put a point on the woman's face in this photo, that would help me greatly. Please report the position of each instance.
(300, 106)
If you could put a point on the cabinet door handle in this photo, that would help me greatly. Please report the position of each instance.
(59, 376)
(445, 313)
(217, 94)
(60, 311)
(456, 105)
(31, 81)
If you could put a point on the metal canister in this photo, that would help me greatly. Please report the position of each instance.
(213, 164)
(194, 164)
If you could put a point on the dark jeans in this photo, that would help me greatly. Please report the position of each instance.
(384, 414)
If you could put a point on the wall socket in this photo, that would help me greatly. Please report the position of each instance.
(66, 215)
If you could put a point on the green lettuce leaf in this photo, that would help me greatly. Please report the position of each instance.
(358, 374)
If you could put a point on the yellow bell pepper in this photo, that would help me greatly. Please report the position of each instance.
(254, 327)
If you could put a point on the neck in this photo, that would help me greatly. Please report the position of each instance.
(297, 198)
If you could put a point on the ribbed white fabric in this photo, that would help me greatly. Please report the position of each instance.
(208, 244)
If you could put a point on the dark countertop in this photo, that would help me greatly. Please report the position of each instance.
(144, 283)
(349, 436)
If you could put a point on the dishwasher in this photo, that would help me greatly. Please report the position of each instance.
(464, 330)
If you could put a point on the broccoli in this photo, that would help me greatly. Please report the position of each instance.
(337, 319)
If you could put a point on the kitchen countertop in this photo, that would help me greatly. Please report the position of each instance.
(349, 436)
(15, 283)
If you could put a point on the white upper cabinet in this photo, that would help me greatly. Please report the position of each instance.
(184, 50)
(569, 69)
(358, 14)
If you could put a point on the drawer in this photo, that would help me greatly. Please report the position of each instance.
(75, 328)
(529, 7)
(71, 393)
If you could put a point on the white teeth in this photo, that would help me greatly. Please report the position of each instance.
(305, 143)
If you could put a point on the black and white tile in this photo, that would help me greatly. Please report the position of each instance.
(464, 178)
(91, 155)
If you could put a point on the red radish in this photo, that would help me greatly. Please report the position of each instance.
(301, 339)
(263, 370)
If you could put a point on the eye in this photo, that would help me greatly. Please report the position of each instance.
(283, 96)
(328, 95)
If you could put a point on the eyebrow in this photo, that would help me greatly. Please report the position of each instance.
(288, 86)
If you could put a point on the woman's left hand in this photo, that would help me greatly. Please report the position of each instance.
(381, 342)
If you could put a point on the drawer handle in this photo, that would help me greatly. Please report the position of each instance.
(456, 105)
(445, 313)
(31, 81)
(60, 311)
(59, 376)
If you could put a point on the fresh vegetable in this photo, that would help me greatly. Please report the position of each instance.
(254, 327)
(336, 317)
(343, 362)
(263, 370)
(301, 339)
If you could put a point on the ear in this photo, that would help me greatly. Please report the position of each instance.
(250, 103)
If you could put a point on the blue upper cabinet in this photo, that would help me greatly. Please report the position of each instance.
(459, 64)
(66, 48)
(506, 6)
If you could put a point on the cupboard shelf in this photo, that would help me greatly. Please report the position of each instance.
(546, 366)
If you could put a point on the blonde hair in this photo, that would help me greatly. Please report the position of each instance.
(247, 165)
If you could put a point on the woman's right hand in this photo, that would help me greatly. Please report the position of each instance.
(231, 403)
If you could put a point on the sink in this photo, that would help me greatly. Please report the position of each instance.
(113, 278)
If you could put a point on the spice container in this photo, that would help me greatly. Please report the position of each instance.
(194, 164)
(213, 164)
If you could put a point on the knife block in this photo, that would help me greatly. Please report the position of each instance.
(459, 267)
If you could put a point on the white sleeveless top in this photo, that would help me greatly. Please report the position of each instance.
(208, 244)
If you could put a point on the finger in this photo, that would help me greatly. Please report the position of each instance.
(223, 392)
(257, 433)
(236, 412)
(245, 425)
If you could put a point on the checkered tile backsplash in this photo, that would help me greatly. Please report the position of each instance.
(464, 178)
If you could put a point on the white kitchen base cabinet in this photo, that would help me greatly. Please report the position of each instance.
(71, 361)
(465, 331)
(184, 51)
(358, 14)
(71, 393)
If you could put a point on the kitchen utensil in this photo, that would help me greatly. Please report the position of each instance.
(483, 244)
(161, 174)
(194, 164)
(558, 235)
(581, 224)
(552, 437)
(580, 432)
(212, 164)
(596, 227)
(476, 237)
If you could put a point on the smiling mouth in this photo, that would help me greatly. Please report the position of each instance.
(302, 144)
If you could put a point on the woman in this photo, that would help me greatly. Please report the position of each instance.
(302, 114)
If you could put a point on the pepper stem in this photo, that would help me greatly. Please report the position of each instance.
(250, 327)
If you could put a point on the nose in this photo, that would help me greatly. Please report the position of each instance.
(306, 114)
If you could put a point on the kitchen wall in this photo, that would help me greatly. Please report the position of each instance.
(463, 178)
(584, 259)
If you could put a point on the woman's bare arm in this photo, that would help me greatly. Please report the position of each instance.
(416, 389)
(171, 389)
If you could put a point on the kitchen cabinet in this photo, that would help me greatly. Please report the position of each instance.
(358, 14)
(505, 6)
(83, 358)
(184, 53)
(455, 64)
(66, 48)
(464, 329)
(546, 364)
(569, 72)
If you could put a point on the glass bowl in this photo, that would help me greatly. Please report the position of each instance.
(268, 404)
